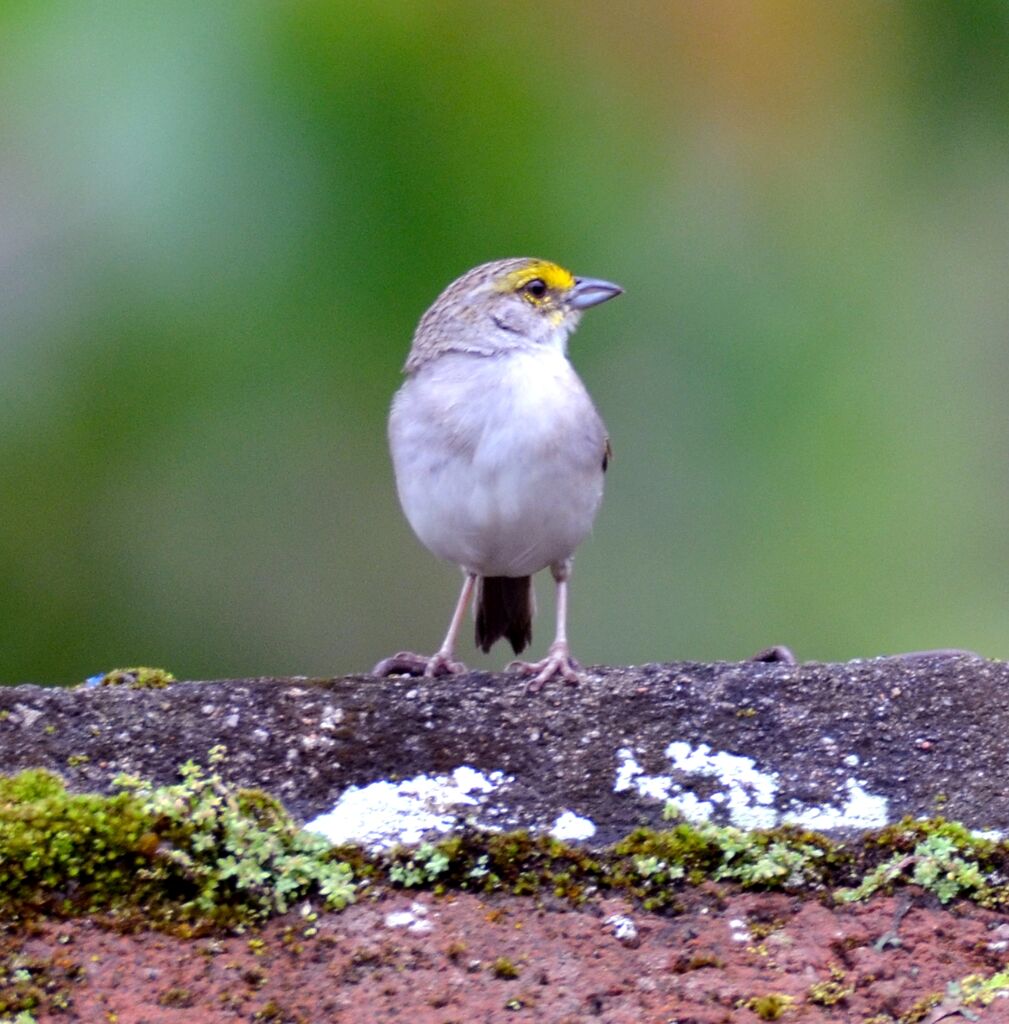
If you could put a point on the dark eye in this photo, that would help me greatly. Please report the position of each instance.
(536, 288)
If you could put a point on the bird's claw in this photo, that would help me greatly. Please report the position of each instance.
(406, 663)
(557, 664)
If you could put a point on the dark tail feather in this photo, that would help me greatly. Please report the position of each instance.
(504, 608)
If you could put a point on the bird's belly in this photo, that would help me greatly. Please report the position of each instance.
(517, 494)
(512, 522)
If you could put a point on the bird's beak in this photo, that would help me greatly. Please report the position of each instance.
(589, 291)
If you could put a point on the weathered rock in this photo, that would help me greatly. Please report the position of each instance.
(839, 747)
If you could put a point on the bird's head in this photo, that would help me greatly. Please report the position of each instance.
(508, 304)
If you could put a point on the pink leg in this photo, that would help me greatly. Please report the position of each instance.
(440, 664)
(558, 662)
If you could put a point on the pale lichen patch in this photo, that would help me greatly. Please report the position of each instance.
(384, 814)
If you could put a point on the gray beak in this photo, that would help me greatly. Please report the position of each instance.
(588, 291)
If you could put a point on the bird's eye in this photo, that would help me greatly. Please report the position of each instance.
(536, 288)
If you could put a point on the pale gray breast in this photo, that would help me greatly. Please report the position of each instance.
(499, 461)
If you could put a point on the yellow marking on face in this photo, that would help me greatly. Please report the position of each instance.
(555, 277)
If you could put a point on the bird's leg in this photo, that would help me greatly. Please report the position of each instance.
(441, 663)
(558, 661)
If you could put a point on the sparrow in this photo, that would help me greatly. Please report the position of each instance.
(499, 453)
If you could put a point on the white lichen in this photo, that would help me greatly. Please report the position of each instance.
(386, 814)
(571, 827)
(745, 793)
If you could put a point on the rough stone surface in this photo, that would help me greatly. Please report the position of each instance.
(927, 733)
(912, 735)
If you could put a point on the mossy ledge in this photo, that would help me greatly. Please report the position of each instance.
(201, 854)
(197, 854)
(655, 866)
(837, 747)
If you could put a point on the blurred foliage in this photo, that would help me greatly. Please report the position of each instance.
(220, 223)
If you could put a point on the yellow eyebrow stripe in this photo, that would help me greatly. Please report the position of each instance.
(555, 277)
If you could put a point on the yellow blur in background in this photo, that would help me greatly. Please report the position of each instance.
(219, 224)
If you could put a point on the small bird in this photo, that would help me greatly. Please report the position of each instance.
(498, 451)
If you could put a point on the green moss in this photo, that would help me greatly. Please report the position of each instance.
(512, 862)
(68, 852)
(455, 951)
(202, 852)
(653, 863)
(828, 993)
(176, 997)
(504, 968)
(940, 856)
(687, 962)
(976, 989)
(654, 866)
(197, 851)
(273, 1013)
(423, 867)
(238, 847)
(772, 1006)
(29, 984)
(139, 678)
(921, 1009)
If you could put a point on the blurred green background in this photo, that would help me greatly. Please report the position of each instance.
(219, 224)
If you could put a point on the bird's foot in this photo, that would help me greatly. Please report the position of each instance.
(557, 664)
(408, 664)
